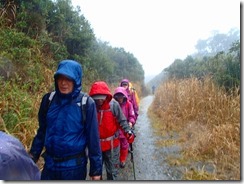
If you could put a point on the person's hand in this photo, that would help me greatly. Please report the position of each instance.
(130, 136)
(130, 124)
(33, 158)
(95, 177)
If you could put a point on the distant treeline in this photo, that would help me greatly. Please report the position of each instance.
(217, 57)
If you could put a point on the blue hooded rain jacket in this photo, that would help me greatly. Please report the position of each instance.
(62, 132)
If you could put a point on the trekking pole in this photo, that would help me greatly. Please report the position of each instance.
(132, 160)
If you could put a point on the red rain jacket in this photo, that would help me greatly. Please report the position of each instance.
(110, 117)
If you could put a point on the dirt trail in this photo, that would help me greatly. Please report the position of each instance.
(149, 160)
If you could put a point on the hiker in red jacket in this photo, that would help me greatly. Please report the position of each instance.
(120, 95)
(110, 119)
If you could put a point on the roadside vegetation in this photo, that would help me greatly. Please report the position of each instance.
(35, 36)
(207, 121)
(200, 103)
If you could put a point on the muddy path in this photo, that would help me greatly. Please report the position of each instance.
(149, 159)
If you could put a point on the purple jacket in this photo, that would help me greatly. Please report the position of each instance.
(131, 97)
(15, 162)
(126, 107)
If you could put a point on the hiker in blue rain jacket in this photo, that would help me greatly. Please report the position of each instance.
(62, 132)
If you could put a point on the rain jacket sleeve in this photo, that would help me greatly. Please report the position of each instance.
(39, 139)
(131, 114)
(117, 111)
(93, 141)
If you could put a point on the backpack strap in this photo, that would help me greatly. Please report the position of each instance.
(51, 96)
(81, 102)
(48, 101)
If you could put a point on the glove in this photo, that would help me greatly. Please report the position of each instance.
(130, 136)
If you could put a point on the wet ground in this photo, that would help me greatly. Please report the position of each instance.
(149, 160)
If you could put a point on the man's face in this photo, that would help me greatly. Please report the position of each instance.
(65, 85)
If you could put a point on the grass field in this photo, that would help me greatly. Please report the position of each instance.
(207, 120)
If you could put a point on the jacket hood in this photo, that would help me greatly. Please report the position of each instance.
(72, 70)
(121, 90)
(100, 88)
(123, 81)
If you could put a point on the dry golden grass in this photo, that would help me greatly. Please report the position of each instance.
(21, 107)
(208, 122)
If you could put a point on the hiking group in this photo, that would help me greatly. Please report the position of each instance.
(75, 127)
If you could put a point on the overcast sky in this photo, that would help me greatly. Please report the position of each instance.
(157, 32)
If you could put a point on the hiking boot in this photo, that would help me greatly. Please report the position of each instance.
(122, 164)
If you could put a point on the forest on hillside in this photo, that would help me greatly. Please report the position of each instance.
(35, 36)
(43, 32)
